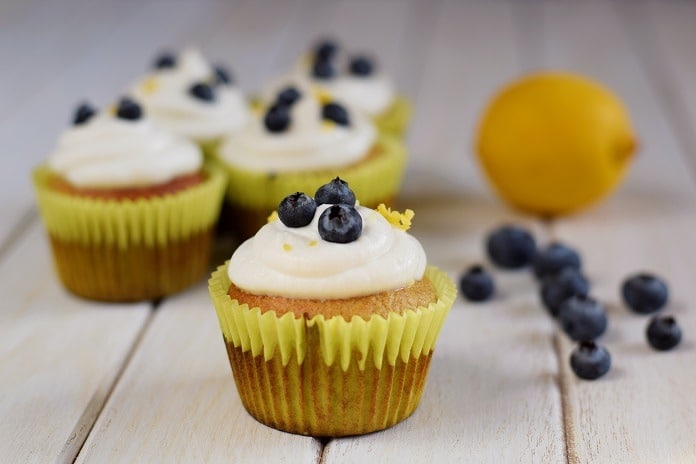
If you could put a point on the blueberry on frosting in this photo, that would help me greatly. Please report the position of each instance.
(297, 210)
(323, 69)
(361, 66)
(326, 49)
(202, 91)
(222, 75)
(288, 96)
(128, 109)
(336, 113)
(337, 191)
(165, 60)
(277, 118)
(340, 224)
(83, 114)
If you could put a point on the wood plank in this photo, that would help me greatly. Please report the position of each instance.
(491, 395)
(59, 356)
(642, 410)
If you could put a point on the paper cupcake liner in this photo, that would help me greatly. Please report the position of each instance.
(209, 147)
(396, 119)
(149, 221)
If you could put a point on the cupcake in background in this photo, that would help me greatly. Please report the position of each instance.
(300, 138)
(129, 207)
(190, 97)
(330, 315)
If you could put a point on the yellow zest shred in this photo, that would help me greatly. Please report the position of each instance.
(150, 85)
(313, 243)
(272, 217)
(287, 247)
(395, 218)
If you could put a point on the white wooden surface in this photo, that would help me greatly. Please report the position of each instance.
(137, 384)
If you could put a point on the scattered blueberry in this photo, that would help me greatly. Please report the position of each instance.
(335, 192)
(340, 224)
(663, 333)
(582, 318)
(296, 210)
(555, 289)
(288, 96)
(326, 49)
(83, 114)
(129, 109)
(336, 113)
(323, 69)
(511, 247)
(590, 361)
(361, 66)
(222, 75)
(277, 118)
(165, 60)
(476, 284)
(553, 258)
(202, 91)
(644, 293)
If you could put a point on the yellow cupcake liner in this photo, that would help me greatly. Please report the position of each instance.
(396, 118)
(373, 180)
(401, 336)
(153, 221)
(209, 146)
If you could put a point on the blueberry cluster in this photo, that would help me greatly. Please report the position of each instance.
(203, 90)
(324, 57)
(339, 223)
(564, 292)
(278, 118)
(126, 108)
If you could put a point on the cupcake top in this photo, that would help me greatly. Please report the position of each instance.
(121, 148)
(301, 129)
(189, 96)
(328, 247)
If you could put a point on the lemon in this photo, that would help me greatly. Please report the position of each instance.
(553, 142)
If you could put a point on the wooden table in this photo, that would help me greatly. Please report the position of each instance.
(94, 383)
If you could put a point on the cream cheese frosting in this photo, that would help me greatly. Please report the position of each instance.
(109, 152)
(309, 143)
(166, 97)
(297, 263)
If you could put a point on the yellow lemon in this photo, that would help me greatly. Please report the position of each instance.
(554, 142)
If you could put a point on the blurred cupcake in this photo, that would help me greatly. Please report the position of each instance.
(128, 206)
(330, 316)
(192, 98)
(298, 141)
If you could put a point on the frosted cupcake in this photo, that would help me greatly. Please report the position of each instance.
(330, 316)
(295, 143)
(129, 207)
(192, 98)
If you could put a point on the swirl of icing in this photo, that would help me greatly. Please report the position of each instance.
(297, 263)
(166, 96)
(108, 152)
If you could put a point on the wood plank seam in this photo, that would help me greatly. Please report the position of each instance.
(18, 230)
(568, 426)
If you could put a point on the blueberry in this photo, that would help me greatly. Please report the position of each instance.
(323, 69)
(361, 66)
(340, 224)
(476, 284)
(555, 289)
(663, 333)
(222, 75)
(582, 318)
(83, 114)
(296, 210)
(129, 109)
(288, 96)
(590, 361)
(335, 192)
(644, 293)
(202, 91)
(326, 49)
(553, 258)
(165, 60)
(511, 247)
(277, 118)
(336, 113)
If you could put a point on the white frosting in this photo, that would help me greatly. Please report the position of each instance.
(308, 143)
(110, 152)
(166, 98)
(298, 263)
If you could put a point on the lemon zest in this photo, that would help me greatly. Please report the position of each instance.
(395, 218)
(272, 217)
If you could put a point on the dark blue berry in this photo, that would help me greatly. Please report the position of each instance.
(582, 318)
(288, 96)
(323, 69)
(277, 118)
(511, 247)
(165, 60)
(361, 66)
(335, 192)
(340, 224)
(663, 333)
(202, 91)
(644, 293)
(476, 284)
(336, 113)
(326, 49)
(129, 109)
(590, 361)
(296, 210)
(83, 114)
(553, 258)
(222, 75)
(555, 289)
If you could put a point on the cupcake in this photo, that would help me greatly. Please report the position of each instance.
(295, 143)
(128, 206)
(330, 315)
(192, 98)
